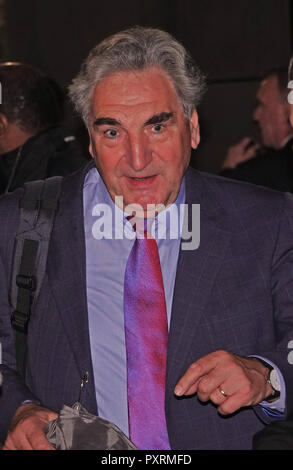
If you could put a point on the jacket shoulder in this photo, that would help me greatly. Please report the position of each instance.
(230, 192)
(236, 204)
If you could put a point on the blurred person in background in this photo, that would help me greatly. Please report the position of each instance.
(278, 435)
(270, 162)
(33, 142)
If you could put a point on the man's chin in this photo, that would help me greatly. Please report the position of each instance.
(144, 209)
(144, 205)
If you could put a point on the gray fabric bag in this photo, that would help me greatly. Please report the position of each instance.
(77, 429)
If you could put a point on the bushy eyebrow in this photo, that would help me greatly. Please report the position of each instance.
(158, 118)
(106, 121)
(155, 119)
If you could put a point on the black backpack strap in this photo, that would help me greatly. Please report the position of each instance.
(38, 207)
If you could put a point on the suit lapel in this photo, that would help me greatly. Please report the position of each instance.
(196, 273)
(67, 271)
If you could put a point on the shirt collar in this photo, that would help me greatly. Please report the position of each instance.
(167, 224)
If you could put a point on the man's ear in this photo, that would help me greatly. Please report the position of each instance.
(287, 113)
(3, 125)
(91, 146)
(194, 130)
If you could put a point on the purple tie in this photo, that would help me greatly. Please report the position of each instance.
(146, 336)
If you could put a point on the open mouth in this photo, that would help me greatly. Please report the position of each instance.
(141, 181)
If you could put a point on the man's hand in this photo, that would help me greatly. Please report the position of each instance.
(240, 152)
(27, 428)
(228, 380)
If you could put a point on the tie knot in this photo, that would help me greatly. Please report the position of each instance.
(142, 227)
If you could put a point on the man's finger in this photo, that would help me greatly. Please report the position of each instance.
(38, 441)
(36, 435)
(232, 403)
(218, 397)
(27, 428)
(236, 397)
(19, 443)
(244, 142)
(189, 381)
(251, 151)
(208, 385)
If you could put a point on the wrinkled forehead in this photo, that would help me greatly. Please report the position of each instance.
(135, 89)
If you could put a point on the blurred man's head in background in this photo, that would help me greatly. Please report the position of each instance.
(272, 110)
(30, 103)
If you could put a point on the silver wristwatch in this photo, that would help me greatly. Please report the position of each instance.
(273, 380)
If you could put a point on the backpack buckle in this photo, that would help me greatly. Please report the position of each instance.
(19, 321)
(26, 282)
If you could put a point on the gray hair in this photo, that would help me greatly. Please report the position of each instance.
(138, 48)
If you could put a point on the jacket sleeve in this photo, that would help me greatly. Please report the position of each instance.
(282, 298)
(13, 390)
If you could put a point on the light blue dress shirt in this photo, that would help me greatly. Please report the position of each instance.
(105, 267)
(106, 260)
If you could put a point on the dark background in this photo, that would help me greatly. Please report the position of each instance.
(234, 42)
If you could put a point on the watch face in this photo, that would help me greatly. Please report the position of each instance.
(274, 379)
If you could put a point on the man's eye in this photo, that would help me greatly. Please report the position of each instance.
(111, 133)
(158, 128)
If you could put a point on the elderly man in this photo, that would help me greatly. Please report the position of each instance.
(181, 348)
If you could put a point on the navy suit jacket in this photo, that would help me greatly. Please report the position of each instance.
(235, 292)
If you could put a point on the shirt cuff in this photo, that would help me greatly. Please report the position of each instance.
(30, 401)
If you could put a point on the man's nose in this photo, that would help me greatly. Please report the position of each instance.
(138, 152)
